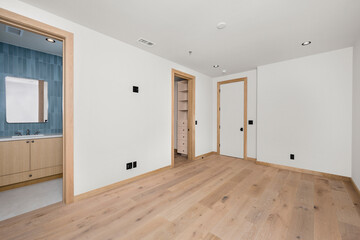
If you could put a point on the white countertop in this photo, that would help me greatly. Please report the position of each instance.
(25, 137)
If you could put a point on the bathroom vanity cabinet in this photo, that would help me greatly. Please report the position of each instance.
(29, 159)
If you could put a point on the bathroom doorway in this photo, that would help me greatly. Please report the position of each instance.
(36, 109)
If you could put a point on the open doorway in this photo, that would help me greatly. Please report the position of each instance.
(31, 121)
(36, 128)
(183, 118)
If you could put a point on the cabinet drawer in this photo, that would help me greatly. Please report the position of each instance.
(182, 130)
(182, 150)
(182, 136)
(182, 123)
(182, 143)
(30, 175)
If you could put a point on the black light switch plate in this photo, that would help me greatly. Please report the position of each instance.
(135, 89)
(134, 164)
(195, 122)
(128, 166)
(292, 156)
(251, 122)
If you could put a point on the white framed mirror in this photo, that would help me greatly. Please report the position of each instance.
(26, 100)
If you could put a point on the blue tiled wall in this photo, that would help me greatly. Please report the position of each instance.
(26, 63)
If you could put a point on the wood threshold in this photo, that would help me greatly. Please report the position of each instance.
(301, 170)
(27, 183)
(29, 24)
(251, 159)
(205, 155)
(117, 184)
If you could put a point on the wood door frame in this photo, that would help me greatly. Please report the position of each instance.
(244, 79)
(28, 24)
(191, 113)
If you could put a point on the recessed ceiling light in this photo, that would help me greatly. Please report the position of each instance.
(221, 25)
(306, 43)
(224, 71)
(50, 40)
(216, 66)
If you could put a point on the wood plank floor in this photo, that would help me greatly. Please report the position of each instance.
(214, 198)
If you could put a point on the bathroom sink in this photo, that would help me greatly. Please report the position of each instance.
(28, 136)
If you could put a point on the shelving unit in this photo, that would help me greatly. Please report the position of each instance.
(182, 131)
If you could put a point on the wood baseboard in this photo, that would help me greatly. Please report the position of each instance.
(27, 183)
(355, 186)
(301, 170)
(251, 159)
(205, 155)
(116, 185)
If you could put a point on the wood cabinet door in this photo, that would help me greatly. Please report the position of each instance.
(46, 153)
(14, 157)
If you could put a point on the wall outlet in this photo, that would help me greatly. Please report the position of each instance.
(134, 164)
(128, 166)
(135, 89)
(292, 156)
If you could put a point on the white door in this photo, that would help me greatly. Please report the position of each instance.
(232, 119)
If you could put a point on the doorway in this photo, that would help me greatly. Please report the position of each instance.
(27, 24)
(182, 117)
(232, 118)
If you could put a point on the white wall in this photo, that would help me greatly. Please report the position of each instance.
(305, 108)
(112, 125)
(356, 117)
(251, 110)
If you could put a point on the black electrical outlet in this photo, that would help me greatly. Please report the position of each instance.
(134, 164)
(135, 89)
(195, 122)
(292, 156)
(251, 122)
(128, 166)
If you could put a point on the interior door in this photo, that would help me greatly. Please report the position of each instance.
(232, 119)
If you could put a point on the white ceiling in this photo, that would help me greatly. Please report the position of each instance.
(30, 40)
(258, 31)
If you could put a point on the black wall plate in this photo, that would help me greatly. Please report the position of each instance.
(135, 89)
(128, 166)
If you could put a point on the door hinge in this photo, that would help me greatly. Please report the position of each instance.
(219, 90)
(219, 144)
(219, 108)
(219, 126)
